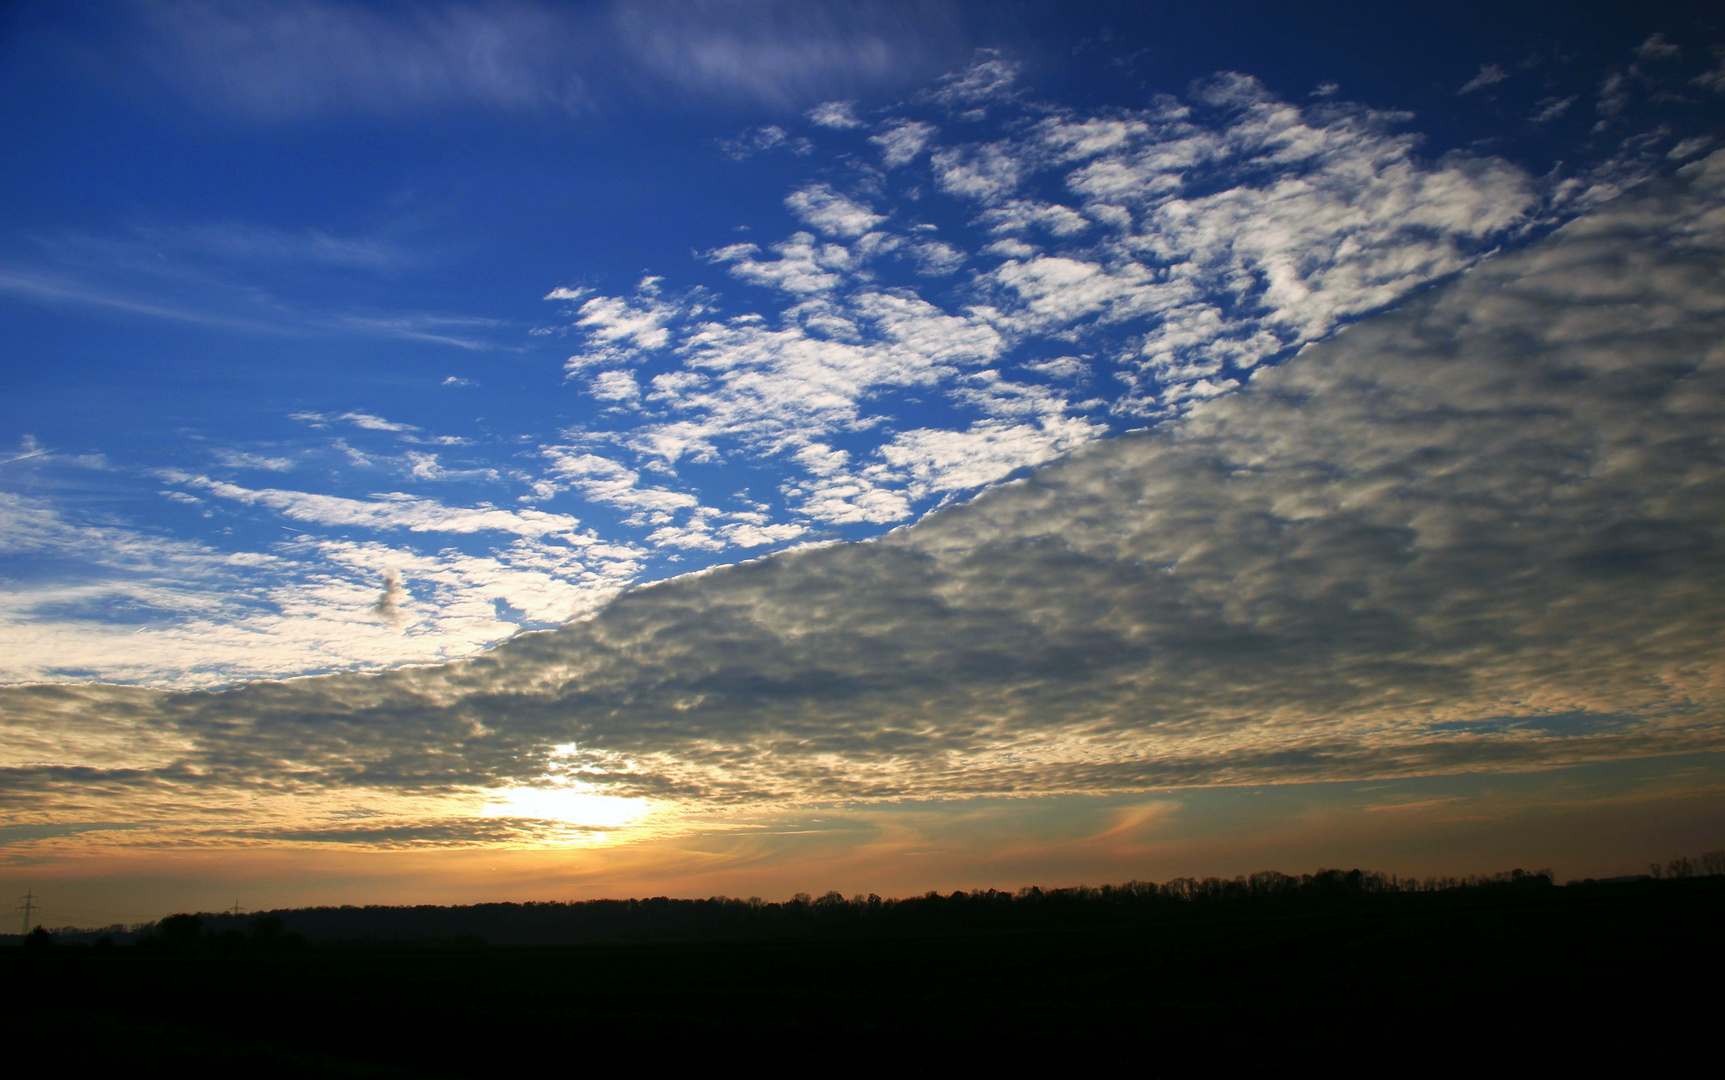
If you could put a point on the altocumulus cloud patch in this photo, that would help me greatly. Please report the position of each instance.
(1503, 500)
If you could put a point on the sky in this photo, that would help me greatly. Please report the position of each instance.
(482, 451)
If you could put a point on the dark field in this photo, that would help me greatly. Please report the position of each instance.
(1602, 975)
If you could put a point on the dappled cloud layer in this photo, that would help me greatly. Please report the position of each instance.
(1480, 532)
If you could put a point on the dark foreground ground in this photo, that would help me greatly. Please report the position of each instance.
(1609, 975)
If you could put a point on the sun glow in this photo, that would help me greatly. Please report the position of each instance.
(572, 804)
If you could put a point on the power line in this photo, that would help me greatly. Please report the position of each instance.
(29, 905)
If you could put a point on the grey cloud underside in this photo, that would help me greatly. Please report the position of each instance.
(1503, 500)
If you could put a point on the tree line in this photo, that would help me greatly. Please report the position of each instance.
(663, 918)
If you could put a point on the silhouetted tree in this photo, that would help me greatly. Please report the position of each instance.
(833, 915)
(181, 932)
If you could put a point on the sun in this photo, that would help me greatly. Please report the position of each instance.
(572, 804)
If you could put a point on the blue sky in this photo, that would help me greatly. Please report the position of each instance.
(338, 338)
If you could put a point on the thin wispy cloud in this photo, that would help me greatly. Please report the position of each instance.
(277, 62)
(46, 286)
(251, 242)
(394, 510)
(191, 296)
(234, 459)
(364, 420)
(152, 610)
(280, 61)
(1489, 75)
(785, 54)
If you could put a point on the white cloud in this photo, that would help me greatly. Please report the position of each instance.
(1341, 218)
(902, 140)
(620, 327)
(762, 139)
(838, 115)
(749, 534)
(846, 498)
(1656, 48)
(1011, 248)
(1612, 97)
(235, 459)
(1078, 139)
(602, 480)
(1054, 289)
(1712, 80)
(987, 80)
(986, 173)
(1062, 367)
(394, 510)
(425, 466)
(804, 265)
(374, 423)
(1552, 108)
(940, 461)
(161, 612)
(1688, 148)
(367, 421)
(1489, 75)
(822, 460)
(997, 396)
(822, 208)
(1021, 215)
(694, 535)
(353, 455)
(936, 258)
(619, 386)
(776, 387)
(707, 529)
